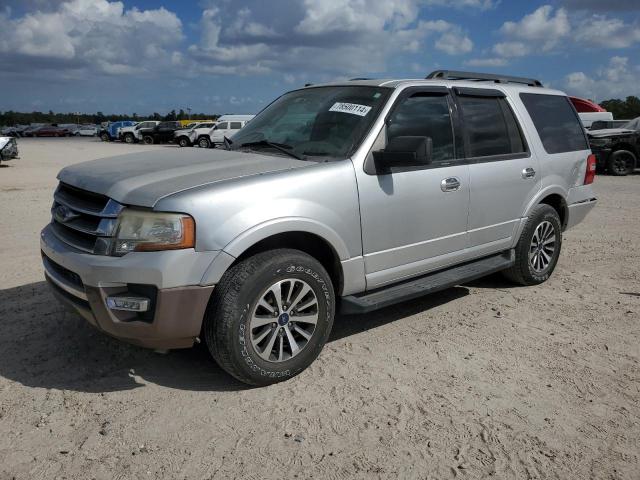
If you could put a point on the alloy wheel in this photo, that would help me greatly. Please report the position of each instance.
(283, 320)
(542, 247)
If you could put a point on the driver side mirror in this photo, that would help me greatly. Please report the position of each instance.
(404, 152)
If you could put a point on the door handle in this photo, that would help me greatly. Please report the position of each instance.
(450, 184)
(528, 173)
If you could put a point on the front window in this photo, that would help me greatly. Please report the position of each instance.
(315, 122)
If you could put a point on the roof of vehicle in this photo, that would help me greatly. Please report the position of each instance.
(453, 79)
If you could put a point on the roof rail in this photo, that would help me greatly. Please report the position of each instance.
(456, 75)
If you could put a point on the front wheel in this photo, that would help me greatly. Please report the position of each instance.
(204, 142)
(270, 316)
(105, 137)
(147, 140)
(538, 249)
(129, 138)
(621, 163)
(183, 142)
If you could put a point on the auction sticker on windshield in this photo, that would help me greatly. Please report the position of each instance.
(352, 108)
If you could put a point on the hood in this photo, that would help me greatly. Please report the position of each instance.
(144, 178)
(610, 132)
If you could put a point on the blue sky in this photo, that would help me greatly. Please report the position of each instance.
(234, 56)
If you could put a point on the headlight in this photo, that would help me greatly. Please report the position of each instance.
(140, 231)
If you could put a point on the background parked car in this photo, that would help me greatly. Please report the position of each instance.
(14, 131)
(8, 148)
(131, 134)
(607, 124)
(617, 150)
(227, 126)
(29, 131)
(185, 137)
(109, 130)
(86, 131)
(161, 133)
(52, 131)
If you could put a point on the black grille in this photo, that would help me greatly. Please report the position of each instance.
(84, 220)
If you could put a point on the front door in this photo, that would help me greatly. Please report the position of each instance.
(415, 219)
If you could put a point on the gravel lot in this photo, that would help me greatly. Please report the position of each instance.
(481, 380)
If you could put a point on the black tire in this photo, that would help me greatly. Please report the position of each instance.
(204, 142)
(105, 137)
(147, 140)
(621, 163)
(129, 138)
(226, 327)
(523, 272)
(184, 142)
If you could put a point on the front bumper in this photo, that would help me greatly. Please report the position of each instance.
(83, 282)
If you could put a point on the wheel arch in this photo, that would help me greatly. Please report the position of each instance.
(554, 197)
(315, 239)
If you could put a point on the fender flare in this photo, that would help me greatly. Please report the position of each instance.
(250, 237)
(545, 192)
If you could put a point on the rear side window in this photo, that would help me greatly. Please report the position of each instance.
(235, 125)
(555, 119)
(490, 127)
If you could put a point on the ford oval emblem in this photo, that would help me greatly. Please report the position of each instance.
(64, 214)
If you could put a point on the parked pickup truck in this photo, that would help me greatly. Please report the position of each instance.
(132, 133)
(348, 196)
(617, 150)
(160, 133)
(109, 130)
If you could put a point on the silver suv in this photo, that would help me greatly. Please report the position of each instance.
(349, 196)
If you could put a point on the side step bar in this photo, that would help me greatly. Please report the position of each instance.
(433, 282)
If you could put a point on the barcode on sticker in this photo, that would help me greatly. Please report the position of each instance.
(352, 108)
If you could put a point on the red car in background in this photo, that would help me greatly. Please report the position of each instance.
(51, 131)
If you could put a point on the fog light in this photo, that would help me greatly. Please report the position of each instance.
(128, 304)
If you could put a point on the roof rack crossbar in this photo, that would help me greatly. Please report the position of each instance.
(457, 75)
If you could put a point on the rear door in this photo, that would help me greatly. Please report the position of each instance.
(504, 175)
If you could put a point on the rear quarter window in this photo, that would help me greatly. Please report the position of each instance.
(556, 121)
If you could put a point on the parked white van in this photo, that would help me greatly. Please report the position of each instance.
(226, 126)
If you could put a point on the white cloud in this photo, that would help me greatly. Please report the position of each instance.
(342, 37)
(601, 31)
(454, 42)
(94, 34)
(615, 80)
(543, 28)
(511, 49)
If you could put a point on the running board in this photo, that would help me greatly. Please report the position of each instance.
(433, 282)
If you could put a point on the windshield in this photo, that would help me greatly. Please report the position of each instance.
(632, 124)
(322, 121)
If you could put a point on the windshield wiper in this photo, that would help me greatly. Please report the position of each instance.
(288, 149)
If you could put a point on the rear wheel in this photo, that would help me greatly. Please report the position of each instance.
(621, 163)
(270, 316)
(147, 140)
(538, 249)
(105, 137)
(204, 142)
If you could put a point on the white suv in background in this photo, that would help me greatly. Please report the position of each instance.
(185, 137)
(226, 126)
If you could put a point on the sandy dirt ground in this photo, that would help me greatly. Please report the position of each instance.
(482, 380)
